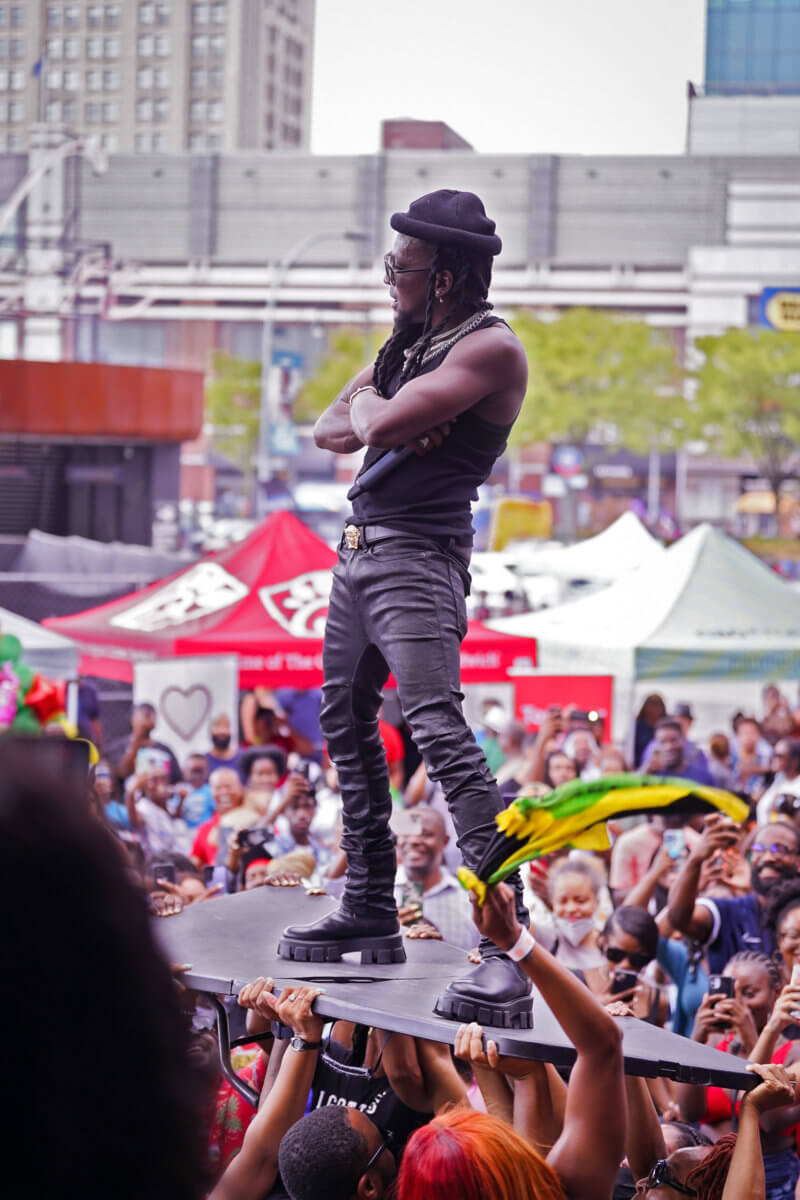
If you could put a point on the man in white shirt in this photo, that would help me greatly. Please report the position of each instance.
(786, 761)
(159, 832)
(429, 899)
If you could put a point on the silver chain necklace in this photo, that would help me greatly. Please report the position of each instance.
(443, 341)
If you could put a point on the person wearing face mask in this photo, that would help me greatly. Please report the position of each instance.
(574, 889)
(222, 753)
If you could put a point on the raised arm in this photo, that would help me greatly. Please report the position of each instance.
(745, 1179)
(252, 1173)
(333, 430)
(587, 1154)
(685, 913)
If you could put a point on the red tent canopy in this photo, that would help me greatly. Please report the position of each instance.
(264, 599)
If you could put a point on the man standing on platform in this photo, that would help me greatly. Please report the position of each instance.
(435, 410)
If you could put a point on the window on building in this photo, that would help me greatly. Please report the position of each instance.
(198, 78)
(159, 142)
(16, 110)
(111, 46)
(163, 45)
(110, 112)
(144, 77)
(163, 14)
(72, 16)
(217, 45)
(146, 44)
(197, 110)
(16, 141)
(17, 48)
(147, 15)
(70, 112)
(144, 110)
(143, 142)
(3, 143)
(72, 48)
(53, 78)
(53, 18)
(3, 48)
(161, 110)
(272, 33)
(3, 79)
(199, 14)
(110, 143)
(94, 16)
(199, 45)
(113, 16)
(94, 81)
(111, 80)
(3, 17)
(214, 141)
(53, 110)
(72, 81)
(94, 47)
(3, 111)
(17, 16)
(91, 112)
(162, 77)
(17, 81)
(219, 13)
(216, 110)
(197, 141)
(216, 79)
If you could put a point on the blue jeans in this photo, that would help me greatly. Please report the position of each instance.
(399, 606)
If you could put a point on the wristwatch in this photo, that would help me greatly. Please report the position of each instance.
(300, 1044)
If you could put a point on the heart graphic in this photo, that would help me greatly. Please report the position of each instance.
(185, 710)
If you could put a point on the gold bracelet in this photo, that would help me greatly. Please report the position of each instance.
(368, 387)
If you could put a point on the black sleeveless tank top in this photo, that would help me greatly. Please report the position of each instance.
(433, 495)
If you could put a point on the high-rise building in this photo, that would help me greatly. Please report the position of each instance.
(160, 75)
(753, 45)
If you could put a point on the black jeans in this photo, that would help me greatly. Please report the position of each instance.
(399, 606)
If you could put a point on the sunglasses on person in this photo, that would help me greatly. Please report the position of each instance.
(386, 1143)
(391, 271)
(661, 1176)
(637, 958)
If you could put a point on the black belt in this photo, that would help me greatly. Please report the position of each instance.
(358, 537)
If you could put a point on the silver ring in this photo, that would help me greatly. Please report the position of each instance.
(425, 442)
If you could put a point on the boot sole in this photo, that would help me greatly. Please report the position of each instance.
(380, 951)
(517, 1014)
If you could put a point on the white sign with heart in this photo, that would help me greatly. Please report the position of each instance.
(187, 694)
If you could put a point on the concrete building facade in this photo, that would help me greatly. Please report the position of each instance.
(159, 76)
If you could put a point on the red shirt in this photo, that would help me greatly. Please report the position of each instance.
(392, 743)
(202, 848)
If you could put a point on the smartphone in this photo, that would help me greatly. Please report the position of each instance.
(623, 981)
(219, 875)
(674, 842)
(164, 870)
(792, 1032)
(721, 985)
(248, 838)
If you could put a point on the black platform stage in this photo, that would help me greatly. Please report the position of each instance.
(232, 940)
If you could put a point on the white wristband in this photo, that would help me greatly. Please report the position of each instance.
(522, 946)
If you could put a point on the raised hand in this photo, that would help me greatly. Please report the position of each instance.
(294, 1009)
(469, 1045)
(777, 1088)
(497, 918)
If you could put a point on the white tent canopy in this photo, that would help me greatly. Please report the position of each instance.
(52, 654)
(705, 609)
(608, 556)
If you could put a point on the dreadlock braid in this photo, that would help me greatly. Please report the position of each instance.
(708, 1177)
(472, 276)
(762, 960)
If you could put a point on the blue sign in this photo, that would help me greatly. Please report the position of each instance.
(283, 441)
(290, 360)
(779, 308)
(566, 460)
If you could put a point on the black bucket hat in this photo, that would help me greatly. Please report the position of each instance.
(451, 218)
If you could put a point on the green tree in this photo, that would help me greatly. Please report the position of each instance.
(348, 353)
(748, 400)
(593, 374)
(233, 394)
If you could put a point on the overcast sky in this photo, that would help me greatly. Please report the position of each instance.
(511, 76)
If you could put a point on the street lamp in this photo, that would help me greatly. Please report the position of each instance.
(264, 463)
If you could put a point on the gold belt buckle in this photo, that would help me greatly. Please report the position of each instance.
(352, 537)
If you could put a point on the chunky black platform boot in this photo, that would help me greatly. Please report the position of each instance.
(379, 939)
(496, 993)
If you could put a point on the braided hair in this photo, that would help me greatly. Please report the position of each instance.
(709, 1176)
(762, 960)
(472, 275)
(782, 898)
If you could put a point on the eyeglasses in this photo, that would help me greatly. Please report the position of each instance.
(661, 1176)
(391, 271)
(636, 958)
(386, 1143)
(779, 850)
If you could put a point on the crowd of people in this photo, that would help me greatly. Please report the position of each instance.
(688, 924)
